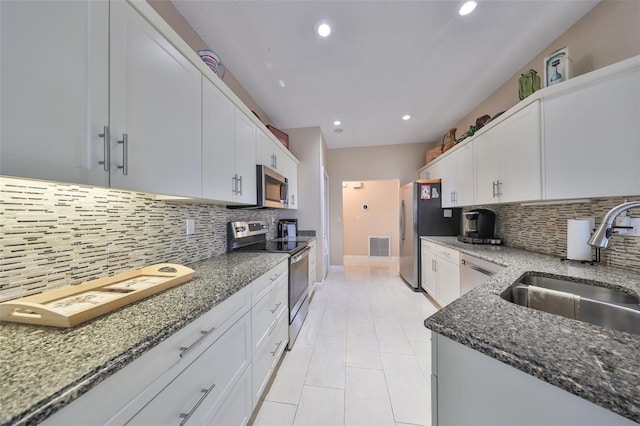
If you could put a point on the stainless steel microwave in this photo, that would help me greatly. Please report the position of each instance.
(273, 188)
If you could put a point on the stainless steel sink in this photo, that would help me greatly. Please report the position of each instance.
(599, 305)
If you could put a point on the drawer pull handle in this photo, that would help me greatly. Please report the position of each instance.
(275, 308)
(277, 347)
(205, 392)
(204, 334)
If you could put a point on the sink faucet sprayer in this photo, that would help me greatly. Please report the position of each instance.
(601, 237)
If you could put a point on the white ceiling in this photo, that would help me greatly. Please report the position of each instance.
(384, 59)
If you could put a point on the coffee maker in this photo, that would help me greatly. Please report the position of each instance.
(481, 225)
(287, 228)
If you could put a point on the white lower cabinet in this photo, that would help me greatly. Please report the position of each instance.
(266, 360)
(312, 265)
(440, 272)
(461, 380)
(213, 371)
(270, 327)
(237, 408)
(428, 268)
(267, 311)
(198, 392)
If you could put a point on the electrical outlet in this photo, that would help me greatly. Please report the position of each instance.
(191, 226)
(623, 221)
(635, 222)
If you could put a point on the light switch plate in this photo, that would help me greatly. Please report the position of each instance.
(191, 226)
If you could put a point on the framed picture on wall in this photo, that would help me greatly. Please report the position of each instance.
(557, 67)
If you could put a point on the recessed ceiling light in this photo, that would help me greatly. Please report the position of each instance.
(281, 83)
(467, 8)
(337, 123)
(406, 117)
(324, 29)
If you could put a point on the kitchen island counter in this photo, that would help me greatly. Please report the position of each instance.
(595, 363)
(45, 368)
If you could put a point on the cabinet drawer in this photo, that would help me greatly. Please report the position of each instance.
(428, 246)
(198, 392)
(237, 408)
(448, 253)
(266, 312)
(267, 358)
(263, 283)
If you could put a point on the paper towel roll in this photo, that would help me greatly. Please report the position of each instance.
(578, 234)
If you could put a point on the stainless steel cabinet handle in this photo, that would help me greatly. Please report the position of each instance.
(275, 161)
(277, 347)
(275, 308)
(240, 184)
(125, 154)
(499, 188)
(205, 392)
(494, 189)
(234, 184)
(203, 335)
(293, 199)
(479, 269)
(107, 152)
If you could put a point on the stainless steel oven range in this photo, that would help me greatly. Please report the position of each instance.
(252, 236)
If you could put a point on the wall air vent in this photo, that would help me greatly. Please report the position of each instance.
(380, 246)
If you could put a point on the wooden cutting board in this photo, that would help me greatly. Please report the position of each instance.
(72, 305)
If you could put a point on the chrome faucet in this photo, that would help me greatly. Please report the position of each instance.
(601, 237)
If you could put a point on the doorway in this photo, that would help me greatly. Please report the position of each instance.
(370, 219)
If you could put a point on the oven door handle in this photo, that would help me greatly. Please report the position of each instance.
(303, 254)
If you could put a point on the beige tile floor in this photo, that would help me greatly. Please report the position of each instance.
(362, 357)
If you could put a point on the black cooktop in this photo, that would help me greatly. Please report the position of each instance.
(252, 236)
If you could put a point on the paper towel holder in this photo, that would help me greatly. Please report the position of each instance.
(579, 230)
(596, 258)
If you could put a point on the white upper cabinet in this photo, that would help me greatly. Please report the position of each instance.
(457, 177)
(292, 176)
(273, 155)
(508, 163)
(228, 149)
(270, 154)
(218, 144)
(434, 171)
(592, 138)
(155, 107)
(245, 159)
(54, 79)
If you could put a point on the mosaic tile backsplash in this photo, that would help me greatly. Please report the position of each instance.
(543, 228)
(57, 234)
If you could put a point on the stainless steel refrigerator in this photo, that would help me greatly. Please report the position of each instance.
(421, 214)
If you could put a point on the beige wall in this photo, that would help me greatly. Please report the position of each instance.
(180, 25)
(609, 33)
(380, 219)
(399, 162)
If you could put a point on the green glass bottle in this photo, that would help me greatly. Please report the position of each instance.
(529, 82)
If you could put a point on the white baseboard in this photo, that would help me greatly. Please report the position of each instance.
(348, 259)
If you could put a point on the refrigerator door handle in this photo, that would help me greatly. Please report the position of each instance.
(402, 221)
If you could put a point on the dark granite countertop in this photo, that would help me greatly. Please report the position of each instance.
(44, 368)
(595, 363)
